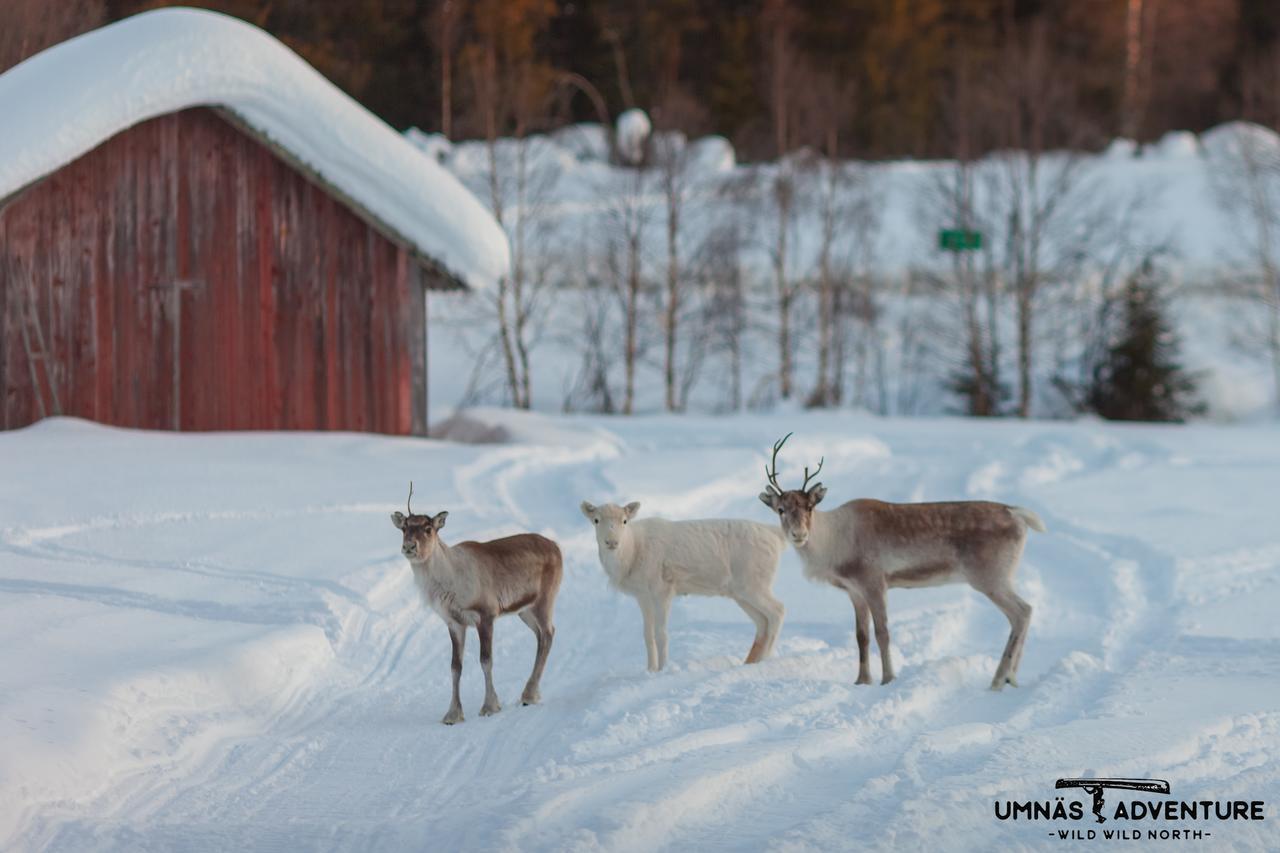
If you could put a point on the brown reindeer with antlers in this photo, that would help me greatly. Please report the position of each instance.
(473, 583)
(867, 546)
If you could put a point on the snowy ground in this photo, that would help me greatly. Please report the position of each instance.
(211, 643)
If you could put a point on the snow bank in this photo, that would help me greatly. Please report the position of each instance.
(491, 425)
(65, 101)
(1229, 139)
(435, 145)
(711, 155)
(633, 132)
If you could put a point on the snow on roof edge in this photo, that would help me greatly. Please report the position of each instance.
(65, 101)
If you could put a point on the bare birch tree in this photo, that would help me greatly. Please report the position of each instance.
(671, 157)
(855, 302)
(444, 26)
(1246, 174)
(1037, 192)
(626, 220)
(968, 274)
(826, 105)
(780, 70)
(511, 91)
(1140, 17)
(726, 320)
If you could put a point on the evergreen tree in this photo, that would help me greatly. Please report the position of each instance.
(980, 389)
(1141, 378)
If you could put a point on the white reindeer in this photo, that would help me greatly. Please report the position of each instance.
(654, 560)
(865, 547)
(473, 583)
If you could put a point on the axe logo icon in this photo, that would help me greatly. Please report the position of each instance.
(1095, 787)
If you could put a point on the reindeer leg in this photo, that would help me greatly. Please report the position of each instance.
(545, 632)
(877, 601)
(774, 613)
(458, 636)
(484, 627)
(762, 630)
(661, 612)
(1022, 639)
(862, 630)
(650, 638)
(1018, 612)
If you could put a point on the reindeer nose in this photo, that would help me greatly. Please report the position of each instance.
(611, 544)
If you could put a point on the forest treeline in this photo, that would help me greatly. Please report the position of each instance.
(862, 78)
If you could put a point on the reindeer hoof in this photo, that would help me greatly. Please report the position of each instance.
(997, 685)
(887, 678)
(454, 716)
(531, 698)
(863, 678)
(1011, 681)
(489, 709)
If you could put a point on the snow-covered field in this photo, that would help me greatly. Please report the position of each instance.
(212, 643)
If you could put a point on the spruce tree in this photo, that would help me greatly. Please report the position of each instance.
(1141, 378)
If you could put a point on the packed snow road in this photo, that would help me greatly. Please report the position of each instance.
(211, 642)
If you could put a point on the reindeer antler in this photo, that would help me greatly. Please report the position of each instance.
(409, 503)
(808, 476)
(772, 475)
(771, 470)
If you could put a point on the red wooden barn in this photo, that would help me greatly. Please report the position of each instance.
(198, 232)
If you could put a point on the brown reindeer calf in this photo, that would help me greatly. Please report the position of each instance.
(473, 583)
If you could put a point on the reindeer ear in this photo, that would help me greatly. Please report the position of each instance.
(816, 494)
(588, 510)
(632, 508)
(769, 499)
(438, 521)
(397, 518)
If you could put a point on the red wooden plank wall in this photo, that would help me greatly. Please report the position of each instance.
(287, 310)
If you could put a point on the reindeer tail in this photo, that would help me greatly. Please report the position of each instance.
(1029, 518)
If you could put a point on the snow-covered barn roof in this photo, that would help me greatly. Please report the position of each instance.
(68, 99)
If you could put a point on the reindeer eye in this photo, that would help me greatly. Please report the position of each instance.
(595, 521)
(779, 512)
(624, 521)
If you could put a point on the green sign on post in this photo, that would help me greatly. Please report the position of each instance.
(959, 240)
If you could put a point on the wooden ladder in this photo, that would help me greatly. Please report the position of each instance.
(34, 347)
